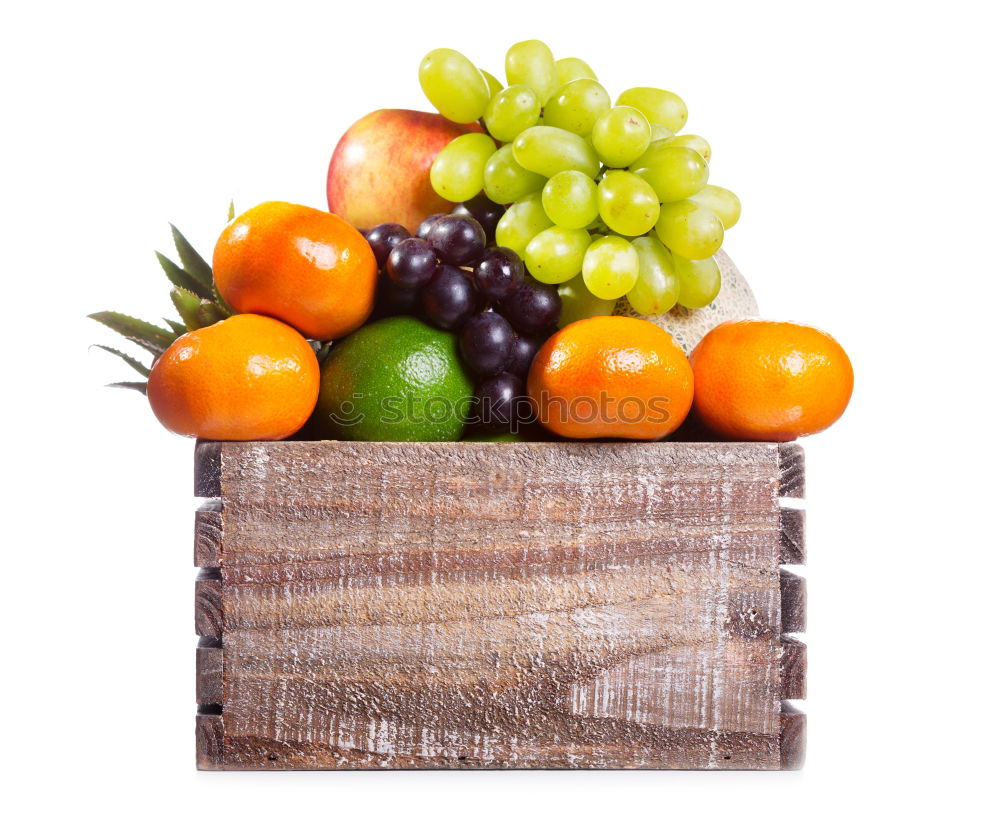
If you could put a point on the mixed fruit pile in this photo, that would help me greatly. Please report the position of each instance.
(510, 268)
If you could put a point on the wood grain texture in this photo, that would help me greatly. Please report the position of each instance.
(793, 603)
(793, 668)
(208, 534)
(209, 745)
(498, 605)
(793, 471)
(793, 536)
(793, 738)
(208, 681)
(208, 607)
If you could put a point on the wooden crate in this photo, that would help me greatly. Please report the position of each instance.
(472, 605)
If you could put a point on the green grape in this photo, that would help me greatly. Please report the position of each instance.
(491, 82)
(555, 254)
(505, 180)
(524, 219)
(656, 290)
(455, 87)
(628, 205)
(457, 171)
(573, 68)
(570, 200)
(511, 111)
(674, 172)
(722, 202)
(578, 302)
(659, 132)
(610, 267)
(690, 229)
(620, 136)
(658, 105)
(548, 151)
(530, 62)
(696, 142)
(700, 281)
(576, 106)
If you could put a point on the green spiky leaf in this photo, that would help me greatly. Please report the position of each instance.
(232, 210)
(180, 329)
(195, 265)
(187, 304)
(210, 313)
(135, 363)
(130, 385)
(148, 336)
(183, 279)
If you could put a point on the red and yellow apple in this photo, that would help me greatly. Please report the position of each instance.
(380, 170)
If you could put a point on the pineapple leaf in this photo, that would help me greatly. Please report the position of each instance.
(183, 279)
(195, 265)
(130, 385)
(148, 336)
(210, 313)
(134, 363)
(221, 302)
(187, 304)
(232, 210)
(180, 329)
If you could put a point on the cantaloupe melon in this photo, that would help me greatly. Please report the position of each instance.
(734, 302)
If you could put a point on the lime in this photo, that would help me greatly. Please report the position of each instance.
(395, 380)
(497, 438)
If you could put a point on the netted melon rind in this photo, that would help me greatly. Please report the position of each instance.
(734, 302)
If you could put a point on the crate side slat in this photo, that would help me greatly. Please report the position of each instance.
(793, 603)
(793, 470)
(208, 534)
(208, 610)
(209, 742)
(793, 738)
(793, 536)
(793, 668)
(208, 682)
(311, 501)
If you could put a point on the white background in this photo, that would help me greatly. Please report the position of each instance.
(862, 138)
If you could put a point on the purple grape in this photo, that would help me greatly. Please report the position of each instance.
(498, 272)
(532, 307)
(450, 298)
(457, 240)
(412, 263)
(522, 354)
(501, 402)
(383, 238)
(486, 342)
(393, 299)
(484, 211)
(427, 223)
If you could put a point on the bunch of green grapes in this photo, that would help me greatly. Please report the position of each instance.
(605, 200)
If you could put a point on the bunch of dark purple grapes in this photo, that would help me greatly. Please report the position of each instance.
(452, 275)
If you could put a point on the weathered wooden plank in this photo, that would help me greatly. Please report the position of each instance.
(313, 501)
(208, 681)
(207, 468)
(208, 609)
(208, 534)
(793, 471)
(793, 603)
(793, 536)
(209, 742)
(484, 606)
(793, 668)
(601, 744)
(793, 738)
